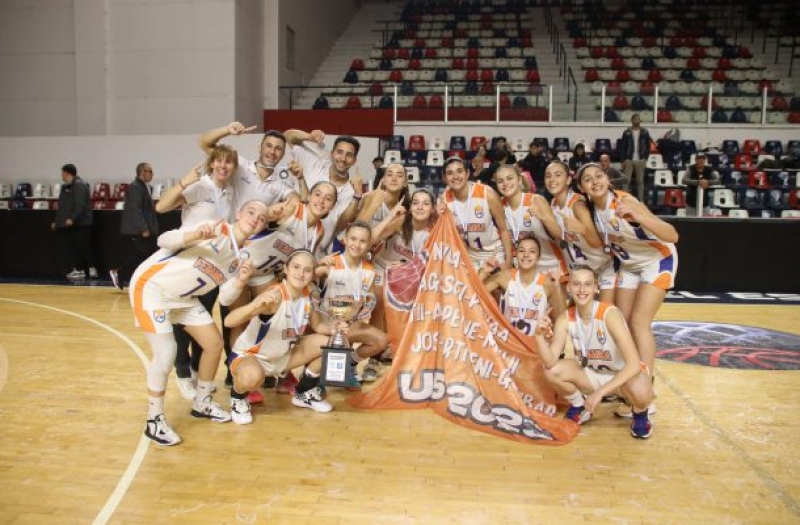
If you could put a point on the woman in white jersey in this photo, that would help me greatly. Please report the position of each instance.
(277, 339)
(644, 245)
(204, 194)
(606, 361)
(528, 292)
(529, 215)
(580, 244)
(350, 274)
(299, 226)
(165, 290)
(479, 215)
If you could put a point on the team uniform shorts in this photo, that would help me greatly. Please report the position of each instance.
(659, 273)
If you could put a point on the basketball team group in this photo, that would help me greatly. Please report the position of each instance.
(265, 237)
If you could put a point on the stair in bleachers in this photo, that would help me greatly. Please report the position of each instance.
(357, 40)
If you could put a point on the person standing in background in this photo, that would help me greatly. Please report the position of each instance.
(634, 150)
(139, 225)
(615, 176)
(74, 223)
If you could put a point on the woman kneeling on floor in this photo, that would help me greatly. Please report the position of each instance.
(277, 338)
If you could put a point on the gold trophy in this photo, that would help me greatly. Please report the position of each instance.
(336, 369)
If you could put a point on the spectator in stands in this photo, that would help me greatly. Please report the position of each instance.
(615, 177)
(500, 146)
(699, 175)
(634, 150)
(74, 222)
(377, 162)
(501, 158)
(139, 225)
(579, 158)
(535, 162)
(479, 161)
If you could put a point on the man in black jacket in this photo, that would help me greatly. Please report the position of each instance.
(74, 222)
(535, 162)
(634, 150)
(139, 225)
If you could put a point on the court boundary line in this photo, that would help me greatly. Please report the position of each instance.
(776, 487)
(135, 463)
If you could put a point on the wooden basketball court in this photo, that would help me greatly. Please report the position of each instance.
(72, 402)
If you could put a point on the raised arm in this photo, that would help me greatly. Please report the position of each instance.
(583, 224)
(633, 210)
(208, 140)
(550, 352)
(542, 210)
(173, 197)
(499, 217)
(265, 303)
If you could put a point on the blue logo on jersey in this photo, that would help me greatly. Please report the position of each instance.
(159, 316)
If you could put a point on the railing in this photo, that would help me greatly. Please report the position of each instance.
(507, 100)
(574, 85)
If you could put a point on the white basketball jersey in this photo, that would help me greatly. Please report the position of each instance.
(473, 218)
(523, 305)
(594, 339)
(576, 250)
(269, 249)
(523, 225)
(273, 338)
(343, 280)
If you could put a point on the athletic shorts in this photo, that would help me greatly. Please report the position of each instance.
(272, 367)
(160, 321)
(479, 257)
(660, 273)
(598, 378)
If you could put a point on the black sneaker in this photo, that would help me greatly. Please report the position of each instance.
(159, 431)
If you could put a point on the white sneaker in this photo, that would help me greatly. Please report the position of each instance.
(93, 273)
(312, 399)
(114, 274)
(211, 410)
(159, 431)
(76, 274)
(186, 386)
(240, 411)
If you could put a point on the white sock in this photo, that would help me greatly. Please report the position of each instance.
(204, 389)
(155, 406)
(576, 399)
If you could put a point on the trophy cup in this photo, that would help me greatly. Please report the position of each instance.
(336, 369)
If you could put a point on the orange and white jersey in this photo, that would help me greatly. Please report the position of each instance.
(172, 279)
(523, 305)
(593, 340)
(634, 245)
(523, 225)
(344, 280)
(474, 219)
(576, 250)
(274, 337)
(395, 250)
(269, 249)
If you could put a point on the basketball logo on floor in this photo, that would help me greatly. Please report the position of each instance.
(727, 345)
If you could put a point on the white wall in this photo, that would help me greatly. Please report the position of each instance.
(38, 84)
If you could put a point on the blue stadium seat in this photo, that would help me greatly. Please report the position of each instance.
(397, 142)
(458, 143)
(561, 144)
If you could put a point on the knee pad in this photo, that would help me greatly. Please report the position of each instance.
(164, 349)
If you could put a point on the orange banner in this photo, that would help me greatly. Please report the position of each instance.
(455, 352)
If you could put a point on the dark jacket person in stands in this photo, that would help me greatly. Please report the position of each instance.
(535, 162)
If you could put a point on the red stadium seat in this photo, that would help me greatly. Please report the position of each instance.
(353, 102)
(751, 147)
(419, 102)
(674, 198)
(416, 143)
(396, 75)
(476, 141)
(357, 64)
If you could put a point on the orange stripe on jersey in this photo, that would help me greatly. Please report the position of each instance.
(662, 248)
(479, 191)
(299, 210)
(559, 255)
(601, 310)
(285, 295)
(143, 316)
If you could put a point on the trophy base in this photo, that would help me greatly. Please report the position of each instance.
(336, 369)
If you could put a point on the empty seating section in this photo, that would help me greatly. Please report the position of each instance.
(754, 183)
(630, 52)
(44, 195)
(472, 47)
